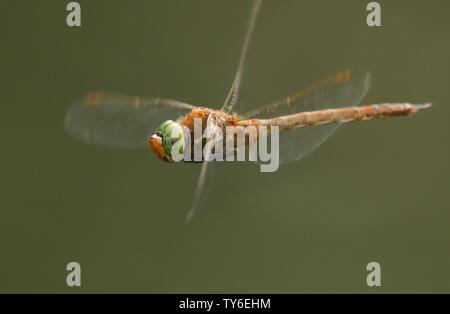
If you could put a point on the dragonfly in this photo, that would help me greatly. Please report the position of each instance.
(305, 119)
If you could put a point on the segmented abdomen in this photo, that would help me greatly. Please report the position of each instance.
(339, 115)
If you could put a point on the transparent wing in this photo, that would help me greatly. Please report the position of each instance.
(344, 89)
(207, 174)
(120, 121)
(204, 185)
(233, 97)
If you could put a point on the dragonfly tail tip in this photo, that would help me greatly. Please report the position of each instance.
(422, 106)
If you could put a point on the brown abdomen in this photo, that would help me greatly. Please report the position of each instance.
(339, 115)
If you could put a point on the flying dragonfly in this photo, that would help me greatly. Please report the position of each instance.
(305, 119)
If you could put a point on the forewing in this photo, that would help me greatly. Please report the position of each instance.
(120, 121)
(231, 103)
(233, 98)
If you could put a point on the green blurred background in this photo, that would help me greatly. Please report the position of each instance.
(376, 191)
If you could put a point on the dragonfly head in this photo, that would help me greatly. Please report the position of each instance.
(168, 138)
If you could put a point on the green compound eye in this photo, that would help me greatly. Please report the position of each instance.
(172, 136)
